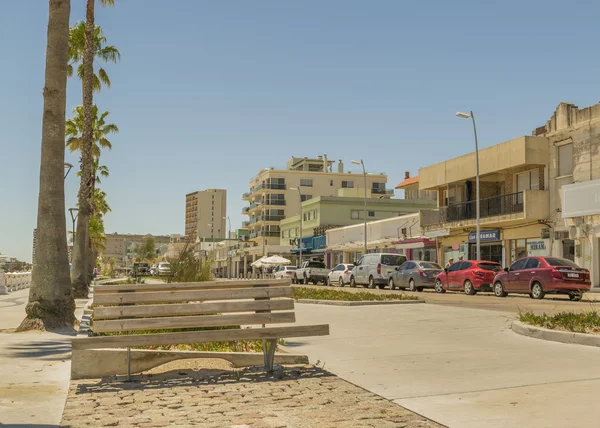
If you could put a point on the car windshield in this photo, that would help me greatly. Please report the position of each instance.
(428, 265)
(552, 261)
(315, 265)
(392, 260)
(489, 266)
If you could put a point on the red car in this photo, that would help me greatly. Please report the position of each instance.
(537, 276)
(469, 276)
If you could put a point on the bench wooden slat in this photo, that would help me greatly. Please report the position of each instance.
(158, 339)
(194, 295)
(192, 321)
(210, 285)
(175, 309)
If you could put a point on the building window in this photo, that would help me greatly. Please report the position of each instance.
(371, 213)
(316, 214)
(565, 159)
(355, 214)
(347, 184)
(306, 182)
(331, 182)
(305, 197)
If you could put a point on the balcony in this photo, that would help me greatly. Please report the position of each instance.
(527, 205)
(245, 223)
(378, 191)
(245, 210)
(278, 202)
(246, 195)
(265, 233)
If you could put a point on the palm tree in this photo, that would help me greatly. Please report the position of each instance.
(100, 131)
(81, 252)
(101, 51)
(51, 303)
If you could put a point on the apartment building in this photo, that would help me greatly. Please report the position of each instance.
(574, 181)
(121, 246)
(276, 194)
(514, 202)
(205, 213)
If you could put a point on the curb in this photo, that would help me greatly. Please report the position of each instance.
(359, 302)
(555, 335)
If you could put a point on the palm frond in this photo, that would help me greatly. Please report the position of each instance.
(109, 53)
(103, 77)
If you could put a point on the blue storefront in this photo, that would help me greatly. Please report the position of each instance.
(491, 245)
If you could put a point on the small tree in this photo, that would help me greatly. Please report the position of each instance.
(146, 251)
(187, 268)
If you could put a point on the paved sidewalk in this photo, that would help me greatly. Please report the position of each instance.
(300, 397)
(35, 368)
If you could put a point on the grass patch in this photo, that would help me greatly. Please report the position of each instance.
(584, 322)
(346, 296)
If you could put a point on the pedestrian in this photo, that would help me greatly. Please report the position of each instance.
(460, 258)
(95, 274)
(450, 263)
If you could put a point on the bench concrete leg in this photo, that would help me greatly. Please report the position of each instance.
(269, 352)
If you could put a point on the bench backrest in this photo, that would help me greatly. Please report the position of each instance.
(131, 307)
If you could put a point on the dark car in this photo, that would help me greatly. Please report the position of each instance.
(469, 276)
(414, 274)
(139, 269)
(538, 276)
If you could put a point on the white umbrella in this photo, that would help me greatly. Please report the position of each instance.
(258, 263)
(275, 260)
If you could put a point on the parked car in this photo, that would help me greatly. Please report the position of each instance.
(339, 275)
(538, 276)
(139, 269)
(163, 269)
(469, 276)
(284, 272)
(414, 274)
(153, 270)
(374, 269)
(312, 271)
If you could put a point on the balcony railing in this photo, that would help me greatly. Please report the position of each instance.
(245, 223)
(245, 209)
(246, 195)
(378, 191)
(497, 205)
(272, 186)
(275, 202)
(265, 233)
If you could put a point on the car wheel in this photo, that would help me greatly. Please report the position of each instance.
(439, 288)
(341, 282)
(305, 280)
(469, 289)
(411, 285)
(294, 280)
(326, 282)
(420, 289)
(352, 282)
(392, 285)
(576, 297)
(371, 282)
(537, 292)
(499, 290)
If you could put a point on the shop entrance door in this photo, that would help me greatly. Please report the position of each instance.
(489, 251)
(569, 249)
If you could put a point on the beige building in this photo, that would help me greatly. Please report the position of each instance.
(121, 246)
(514, 201)
(274, 195)
(205, 213)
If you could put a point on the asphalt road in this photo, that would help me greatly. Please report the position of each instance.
(460, 367)
(512, 303)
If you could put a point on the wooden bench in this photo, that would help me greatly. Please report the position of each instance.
(128, 308)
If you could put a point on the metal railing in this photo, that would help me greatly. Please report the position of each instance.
(246, 195)
(378, 191)
(496, 205)
(275, 202)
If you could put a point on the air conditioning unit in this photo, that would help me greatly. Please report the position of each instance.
(545, 233)
(576, 233)
(559, 236)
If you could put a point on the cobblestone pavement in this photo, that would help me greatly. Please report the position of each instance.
(294, 397)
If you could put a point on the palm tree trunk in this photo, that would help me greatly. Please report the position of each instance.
(81, 252)
(51, 303)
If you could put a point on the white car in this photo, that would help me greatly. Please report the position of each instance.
(340, 275)
(284, 272)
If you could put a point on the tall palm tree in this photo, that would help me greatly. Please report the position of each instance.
(81, 253)
(100, 131)
(102, 51)
(51, 303)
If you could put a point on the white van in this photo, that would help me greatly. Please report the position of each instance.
(374, 269)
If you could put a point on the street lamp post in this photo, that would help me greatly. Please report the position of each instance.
(478, 226)
(300, 237)
(228, 236)
(355, 162)
(74, 217)
(68, 167)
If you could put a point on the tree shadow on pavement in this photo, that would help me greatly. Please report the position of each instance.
(48, 350)
(187, 377)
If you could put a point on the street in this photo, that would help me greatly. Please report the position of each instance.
(514, 303)
(460, 367)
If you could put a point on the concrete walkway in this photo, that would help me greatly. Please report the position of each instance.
(459, 367)
(35, 368)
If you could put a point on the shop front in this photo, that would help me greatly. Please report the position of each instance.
(490, 243)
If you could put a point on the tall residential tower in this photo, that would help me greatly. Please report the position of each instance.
(204, 215)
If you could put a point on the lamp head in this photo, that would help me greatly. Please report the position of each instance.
(355, 162)
(463, 115)
(68, 165)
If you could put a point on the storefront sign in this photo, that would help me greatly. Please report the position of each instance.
(581, 199)
(485, 236)
(538, 247)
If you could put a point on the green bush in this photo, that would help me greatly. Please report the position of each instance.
(346, 296)
(584, 322)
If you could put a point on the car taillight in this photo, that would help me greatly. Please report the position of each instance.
(421, 273)
(587, 275)
(346, 272)
(556, 273)
(379, 269)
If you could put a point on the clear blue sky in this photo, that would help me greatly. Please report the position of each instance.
(209, 92)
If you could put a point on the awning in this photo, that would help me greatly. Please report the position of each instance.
(410, 245)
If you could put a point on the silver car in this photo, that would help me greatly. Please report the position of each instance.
(374, 269)
(414, 274)
(339, 275)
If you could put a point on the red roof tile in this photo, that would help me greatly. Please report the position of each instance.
(408, 182)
